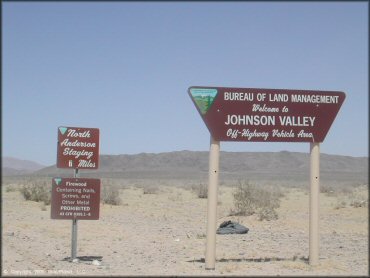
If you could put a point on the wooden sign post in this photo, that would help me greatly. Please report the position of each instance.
(265, 115)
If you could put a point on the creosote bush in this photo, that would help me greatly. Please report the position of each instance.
(110, 195)
(251, 199)
(358, 198)
(327, 189)
(150, 190)
(201, 190)
(37, 190)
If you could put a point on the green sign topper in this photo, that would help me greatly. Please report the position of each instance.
(57, 180)
(203, 98)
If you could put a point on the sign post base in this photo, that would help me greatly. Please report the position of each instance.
(74, 239)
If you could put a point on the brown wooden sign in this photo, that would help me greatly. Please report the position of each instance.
(75, 198)
(78, 148)
(266, 115)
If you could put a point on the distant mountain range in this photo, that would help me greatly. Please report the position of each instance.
(12, 166)
(193, 165)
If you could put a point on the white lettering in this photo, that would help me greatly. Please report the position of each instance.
(278, 97)
(70, 196)
(88, 190)
(68, 202)
(314, 98)
(68, 183)
(237, 96)
(246, 133)
(250, 120)
(296, 121)
(264, 108)
(68, 190)
(83, 202)
(77, 154)
(283, 133)
(74, 133)
(304, 134)
(86, 164)
(74, 208)
(77, 143)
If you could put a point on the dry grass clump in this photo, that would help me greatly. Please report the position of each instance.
(150, 190)
(200, 190)
(327, 189)
(11, 189)
(110, 195)
(356, 196)
(357, 199)
(335, 190)
(37, 190)
(359, 202)
(340, 204)
(251, 199)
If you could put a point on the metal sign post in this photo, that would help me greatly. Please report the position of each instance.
(314, 202)
(77, 148)
(74, 239)
(214, 154)
(74, 230)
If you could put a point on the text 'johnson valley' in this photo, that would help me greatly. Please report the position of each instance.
(270, 120)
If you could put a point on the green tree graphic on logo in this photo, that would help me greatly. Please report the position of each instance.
(203, 98)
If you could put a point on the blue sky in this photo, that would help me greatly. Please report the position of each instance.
(125, 67)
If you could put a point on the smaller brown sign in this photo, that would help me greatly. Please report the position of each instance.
(78, 148)
(75, 198)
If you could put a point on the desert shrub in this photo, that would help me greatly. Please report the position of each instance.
(150, 190)
(11, 188)
(38, 191)
(201, 235)
(353, 202)
(327, 189)
(110, 195)
(358, 200)
(340, 204)
(250, 199)
(267, 213)
(335, 190)
(359, 203)
(201, 190)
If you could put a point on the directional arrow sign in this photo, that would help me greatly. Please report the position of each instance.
(266, 115)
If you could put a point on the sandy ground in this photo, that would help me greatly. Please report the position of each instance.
(164, 234)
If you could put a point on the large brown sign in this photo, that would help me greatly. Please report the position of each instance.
(75, 198)
(266, 115)
(78, 148)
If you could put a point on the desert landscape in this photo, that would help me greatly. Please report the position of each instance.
(122, 118)
(156, 225)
